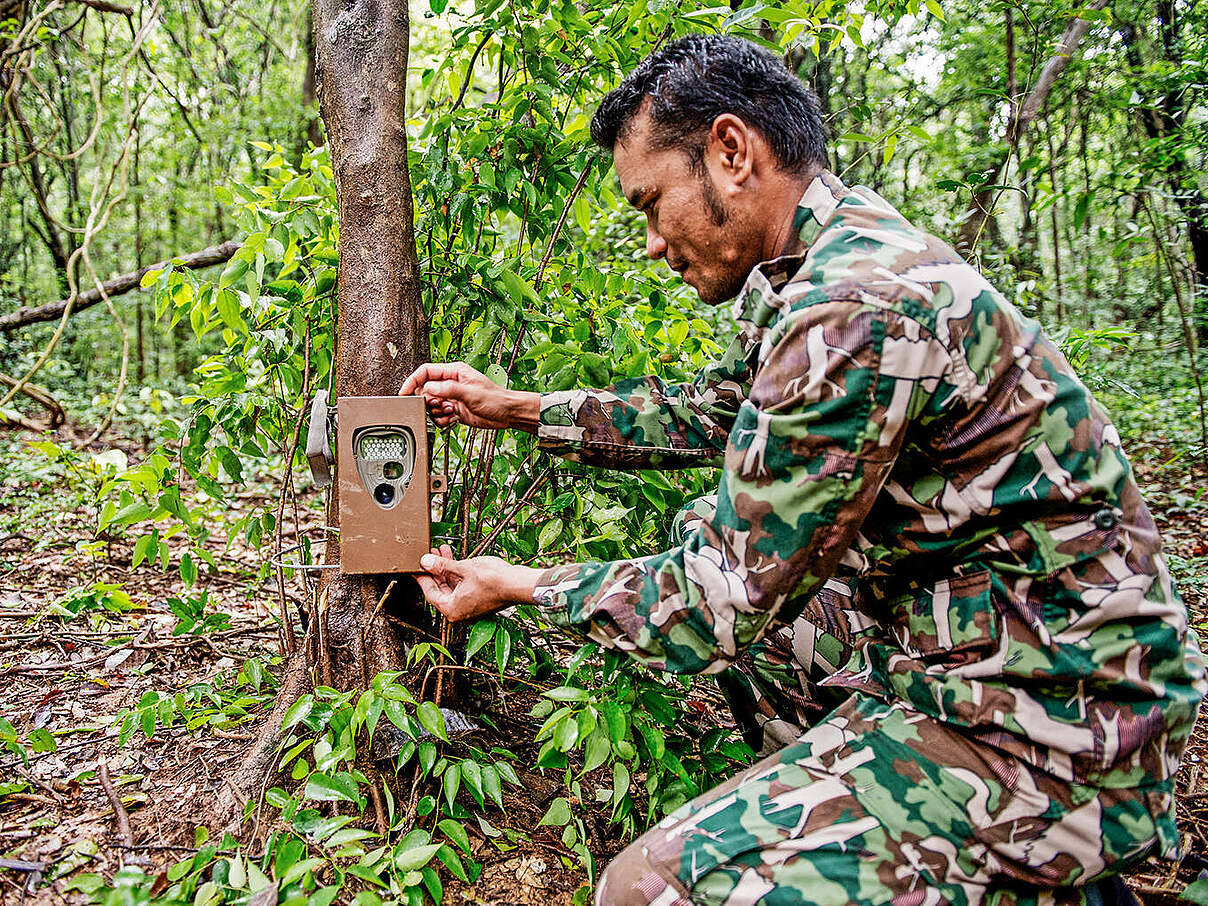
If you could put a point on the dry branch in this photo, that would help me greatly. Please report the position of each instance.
(984, 199)
(39, 396)
(120, 284)
(119, 810)
(106, 7)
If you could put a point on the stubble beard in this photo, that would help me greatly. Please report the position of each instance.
(718, 291)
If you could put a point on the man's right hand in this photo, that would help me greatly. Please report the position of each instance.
(456, 393)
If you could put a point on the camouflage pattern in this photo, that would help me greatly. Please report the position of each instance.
(775, 688)
(887, 421)
(880, 804)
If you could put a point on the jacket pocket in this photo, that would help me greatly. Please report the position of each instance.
(951, 622)
(1062, 541)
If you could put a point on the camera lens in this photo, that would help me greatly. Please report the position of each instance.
(393, 470)
(383, 494)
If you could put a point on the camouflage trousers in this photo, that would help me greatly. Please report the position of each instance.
(874, 803)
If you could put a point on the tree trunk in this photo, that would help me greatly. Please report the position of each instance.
(1160, 121)
(312, 130)
(382, 336)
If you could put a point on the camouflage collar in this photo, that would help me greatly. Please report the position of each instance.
(822, 196)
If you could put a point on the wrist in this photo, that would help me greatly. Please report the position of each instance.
(525, 410)
(519, 584)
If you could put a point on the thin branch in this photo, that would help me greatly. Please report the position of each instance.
(470, 70)
(43, 399)
(123, 283)
(105, 6)
(119, 810)
(985, 200)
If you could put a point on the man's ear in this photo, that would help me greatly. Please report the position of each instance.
(731, 146)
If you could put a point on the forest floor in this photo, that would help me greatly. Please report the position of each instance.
(74, 675)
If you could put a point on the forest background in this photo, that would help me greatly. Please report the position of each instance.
(174, 724)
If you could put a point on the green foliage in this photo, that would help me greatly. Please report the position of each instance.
(533, 273)
(222, 704)
(97, 598)
(195, 615)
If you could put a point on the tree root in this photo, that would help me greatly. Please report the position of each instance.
(345, 646)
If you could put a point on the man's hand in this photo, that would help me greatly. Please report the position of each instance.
(455, 392)
(467, 589)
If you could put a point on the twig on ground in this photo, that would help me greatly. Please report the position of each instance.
(119, 810)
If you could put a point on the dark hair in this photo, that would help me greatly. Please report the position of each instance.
(696, 79)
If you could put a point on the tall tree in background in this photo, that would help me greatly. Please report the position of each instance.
(1166, 97)
(1023, 114)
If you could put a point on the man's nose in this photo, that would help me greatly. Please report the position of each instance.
(656, 245)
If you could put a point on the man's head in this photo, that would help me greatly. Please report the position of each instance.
(711, 137)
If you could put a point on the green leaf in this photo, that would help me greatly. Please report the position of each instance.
(518, 288)
(416, 857)
(558, 814)
(480, 633)
(448, 855)
(597, 750)
(1196, 892)
(491, 784)
(456, 832)
(433, 721)
(298, 869)
(567, 694)
(235, 270)
(451, 782)
(143, 548)
(503, 650)
(549, 534)
(188, 570)
(41, 740)
(471, 773)
(286, 289)
(497, 374)
(339, 787)
(230, 310)
(298, 711)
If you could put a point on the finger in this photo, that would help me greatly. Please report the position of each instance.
(443, 392)
(433, 371)
(434, 593)
(415, 380)
(445, 550)
(453, 613)
(440, 566)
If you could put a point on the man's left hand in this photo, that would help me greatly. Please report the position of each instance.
(468, 589)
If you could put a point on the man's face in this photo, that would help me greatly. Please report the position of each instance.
(706, 239)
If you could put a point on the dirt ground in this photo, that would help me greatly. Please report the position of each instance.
(75, 678)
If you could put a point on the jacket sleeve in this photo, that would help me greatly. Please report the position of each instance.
(647, 423)
(806, 457)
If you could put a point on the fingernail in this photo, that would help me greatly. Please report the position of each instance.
(427, 561)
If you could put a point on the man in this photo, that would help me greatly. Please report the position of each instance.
(922, 517)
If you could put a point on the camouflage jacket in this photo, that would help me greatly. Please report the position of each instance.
(887, 417)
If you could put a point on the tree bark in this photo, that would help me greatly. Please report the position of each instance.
(382, 334)
(982, 205)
